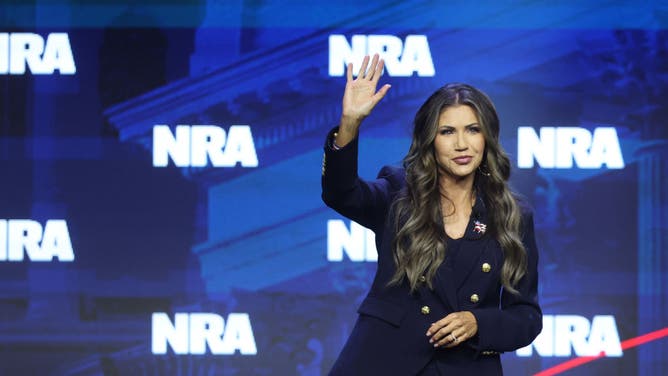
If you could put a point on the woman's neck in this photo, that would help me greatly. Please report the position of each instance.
(457, 195)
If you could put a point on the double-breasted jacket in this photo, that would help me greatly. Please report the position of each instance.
(389, 337)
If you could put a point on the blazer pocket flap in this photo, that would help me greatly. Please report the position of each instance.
(384, 310)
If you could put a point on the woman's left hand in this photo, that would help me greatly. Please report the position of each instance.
(453, 329)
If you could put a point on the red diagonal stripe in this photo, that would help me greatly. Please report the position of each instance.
(649, 337)
(628, 344)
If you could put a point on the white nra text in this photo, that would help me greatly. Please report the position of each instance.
(25, 237)
(195, 146)
(18, 50)
(563, 335)
(402, 58)
(561, 146)
(192, 333)
(358, 243)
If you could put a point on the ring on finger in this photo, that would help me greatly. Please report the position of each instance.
(454, 339)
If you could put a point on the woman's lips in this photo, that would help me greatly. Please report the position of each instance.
(463, 160)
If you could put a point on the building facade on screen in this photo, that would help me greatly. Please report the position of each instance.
(402, 58)
(569, 147)
(22, 239)
(197, 145)
(194, 333)
(21, 53)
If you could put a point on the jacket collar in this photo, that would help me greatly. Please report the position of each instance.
(476, 240)
(477, 226)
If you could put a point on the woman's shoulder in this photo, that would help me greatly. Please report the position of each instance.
(527, 220)
(526, 212)
(395, 175)
(526, 209)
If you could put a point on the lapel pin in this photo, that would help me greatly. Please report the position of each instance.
(479, 227)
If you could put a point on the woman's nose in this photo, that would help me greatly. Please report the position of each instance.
(460, 142)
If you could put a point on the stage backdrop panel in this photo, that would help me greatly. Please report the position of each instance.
(160, 208)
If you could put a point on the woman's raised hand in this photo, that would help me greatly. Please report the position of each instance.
(360, 97)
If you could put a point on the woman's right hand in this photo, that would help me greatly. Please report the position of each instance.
(360, 97)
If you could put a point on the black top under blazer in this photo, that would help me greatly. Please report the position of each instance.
(389, 335)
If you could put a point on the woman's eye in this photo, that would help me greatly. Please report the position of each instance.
(474, 129)
(446, 131)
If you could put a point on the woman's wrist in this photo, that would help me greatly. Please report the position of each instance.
(341, 139)
(349, 122)
(333, 144)
(348, 129)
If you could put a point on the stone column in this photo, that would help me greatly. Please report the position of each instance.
(653, 254)
(218, 39)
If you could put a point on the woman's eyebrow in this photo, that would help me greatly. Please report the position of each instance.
(450, 126)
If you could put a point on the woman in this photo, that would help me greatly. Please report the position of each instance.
(457, 278)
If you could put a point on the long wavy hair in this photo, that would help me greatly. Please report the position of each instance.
(419, 245)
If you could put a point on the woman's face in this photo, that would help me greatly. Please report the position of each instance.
(459, 144)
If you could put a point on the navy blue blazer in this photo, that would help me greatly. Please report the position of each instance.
(389, 335)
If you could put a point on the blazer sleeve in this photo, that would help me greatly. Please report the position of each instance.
(518, 320)
(365, 202)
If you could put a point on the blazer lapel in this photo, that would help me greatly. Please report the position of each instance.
(449, 280)
(445, 286)
(469, 255)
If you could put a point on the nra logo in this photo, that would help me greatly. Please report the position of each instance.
(402, 58)
(197, 145)
(21, 50)
(192, 333)
(562, 147)
(564, 335)
(358, 243)
(24, 237)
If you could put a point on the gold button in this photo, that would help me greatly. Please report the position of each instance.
(425, 310)
(486, 267)
(474, 298)
(422, 279)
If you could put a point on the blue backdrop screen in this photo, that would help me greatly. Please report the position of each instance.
(160, 207)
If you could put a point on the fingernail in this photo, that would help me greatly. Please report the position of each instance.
(428, 334)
